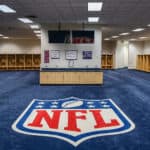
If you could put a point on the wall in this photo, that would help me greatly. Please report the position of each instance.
(120, 51)
(108, 47)
(121, 54)
(135, 48)
(19, 46)
(146, 49)
(126, 52)
(79, 63)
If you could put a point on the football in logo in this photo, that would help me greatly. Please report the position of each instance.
(73, 119)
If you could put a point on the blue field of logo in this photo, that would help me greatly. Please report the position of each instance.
(73, 119)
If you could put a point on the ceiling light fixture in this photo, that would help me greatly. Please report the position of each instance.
(127, 33)
(114, 37)
(95, 6)
(133, 39)
(138, 30)
(37, 31)
(106, 39)
(93, 19)
(25, 20)
(6, 9)
(34, 26)
(1, 34)
(5, 37)
(143, 37)
(38, 35)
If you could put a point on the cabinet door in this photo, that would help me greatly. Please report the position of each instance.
(43, 78)
(91, 78)
(71, 77)
(51, 77)
(59, 77)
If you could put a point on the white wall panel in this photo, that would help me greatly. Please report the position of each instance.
(95, 62)
(19, 46)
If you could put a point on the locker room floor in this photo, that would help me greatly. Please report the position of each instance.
(129, 89)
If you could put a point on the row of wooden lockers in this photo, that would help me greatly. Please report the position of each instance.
(143, 63)
(20, 61)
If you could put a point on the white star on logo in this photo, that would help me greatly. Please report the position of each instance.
(54, 103)
(106, 106)
(90, 102)
(91, 106)
(39, 106)
(41, 103)
(53, 106)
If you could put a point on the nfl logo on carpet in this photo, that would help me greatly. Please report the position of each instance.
(73, 119)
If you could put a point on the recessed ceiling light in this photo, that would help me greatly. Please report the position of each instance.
(127, 33)
(143, 37)
(37, 31)
(1, 34)
(93, 19)
(133, 39)
(34, 26)
(6, 9)
(38, 35)
(95, 6)
(138, 29)
(106, 39)
(114, 37)
(5, 37)
(25, 20)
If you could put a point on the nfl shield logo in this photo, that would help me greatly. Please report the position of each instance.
(73, 119)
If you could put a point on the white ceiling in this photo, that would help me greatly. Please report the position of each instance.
(117, 16)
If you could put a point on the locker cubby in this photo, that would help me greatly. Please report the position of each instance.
(143, 63)
(3, 61)
(107, 61)
(11, 61)
(36, 61)
(28, 61)
(19, 61)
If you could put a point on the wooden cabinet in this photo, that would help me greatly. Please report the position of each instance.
(107, 61)
(71, 77)
(143, 63)
(20, 61)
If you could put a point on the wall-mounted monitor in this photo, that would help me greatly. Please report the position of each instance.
(79, 37)
(59, 36)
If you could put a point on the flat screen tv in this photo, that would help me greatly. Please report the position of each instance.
(79, 37)
(59, 36)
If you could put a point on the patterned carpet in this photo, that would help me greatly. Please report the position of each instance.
(129, 89)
